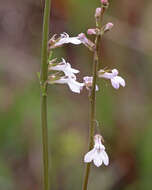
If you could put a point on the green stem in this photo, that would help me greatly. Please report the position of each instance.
(92, 107)
(44, 75)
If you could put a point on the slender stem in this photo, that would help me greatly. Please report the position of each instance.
(92, 107)
(44, 73)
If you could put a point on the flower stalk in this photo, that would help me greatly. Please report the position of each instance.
(43, 83)
(92, 109)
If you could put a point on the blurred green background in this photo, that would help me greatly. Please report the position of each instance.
(124, 115)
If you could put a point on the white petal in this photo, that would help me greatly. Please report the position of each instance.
(66, 68)
(74, 40)
(74, 70)
(89, 156)
(115, 83)
(115, 72)
(97, 88)
(106, 75)
(71, 69)
(105, 158)
(58, 68)
(75, 86)
(67, 39)
(121, 81)
(97, 160)
(64, 35)
(61, 81)
(61, 42)
(99, 145)
(63, 61)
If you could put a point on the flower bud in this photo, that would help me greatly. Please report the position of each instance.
(93, 31)
(105, 3)
(108, 26)
(88, 82)
(98, 12)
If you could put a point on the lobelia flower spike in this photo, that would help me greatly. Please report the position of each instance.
(88, 83)
(63, 39)
(116, 80)
(64, 67)
(74, 85)
(98, 154)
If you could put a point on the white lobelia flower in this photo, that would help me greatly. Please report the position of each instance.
(98, 154)
(74, 85)
(64, 67)
(116, 80)
(65, 39)
(88, 83)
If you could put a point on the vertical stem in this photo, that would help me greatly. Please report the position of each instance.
(44, 73)
(92, 107)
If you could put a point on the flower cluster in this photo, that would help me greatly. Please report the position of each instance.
(69, 77)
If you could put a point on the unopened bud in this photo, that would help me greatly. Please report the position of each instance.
(98, 12)
(93, 31)
(88, 82)
(108, 26)
(105, 2)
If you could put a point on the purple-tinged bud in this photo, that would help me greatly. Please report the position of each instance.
(93, 31)
(88, 81)
(104, 1)
(105, 4)
(98, 12)
(108, 26)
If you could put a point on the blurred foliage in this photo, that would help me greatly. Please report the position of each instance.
(124, 116)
